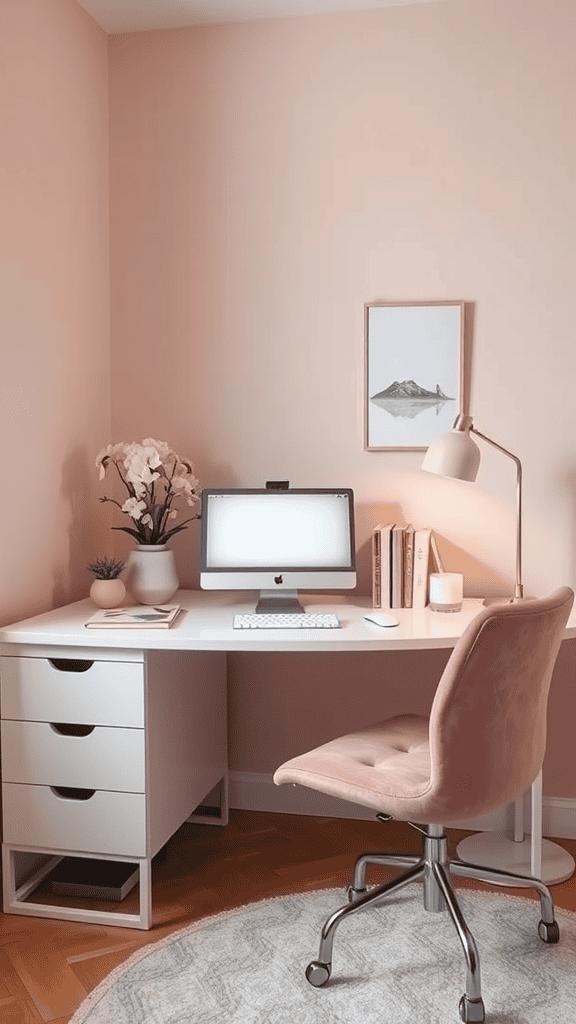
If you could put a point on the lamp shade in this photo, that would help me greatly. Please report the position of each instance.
(453, 454)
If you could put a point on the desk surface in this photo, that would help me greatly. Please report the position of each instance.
(205, 624)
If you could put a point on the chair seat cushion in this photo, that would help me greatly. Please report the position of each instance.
(484, 742)
(385, 767)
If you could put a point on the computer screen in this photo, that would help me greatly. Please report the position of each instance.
(278, 542)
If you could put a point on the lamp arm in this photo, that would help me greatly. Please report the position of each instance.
(519, 588)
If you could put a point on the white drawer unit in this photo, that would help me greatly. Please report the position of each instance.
(73, 690)
(105, 758)
(83, 820)
(87, 756)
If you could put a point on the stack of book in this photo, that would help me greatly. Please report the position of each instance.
(400, 565)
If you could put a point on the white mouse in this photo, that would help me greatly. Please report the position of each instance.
(381, 619)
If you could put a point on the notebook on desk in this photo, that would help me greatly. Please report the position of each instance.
(138, 616)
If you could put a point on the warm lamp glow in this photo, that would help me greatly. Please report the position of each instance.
(456, 455)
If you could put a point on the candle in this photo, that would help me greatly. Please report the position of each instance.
(446, 590)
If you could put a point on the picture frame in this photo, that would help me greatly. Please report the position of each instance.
(413, 372)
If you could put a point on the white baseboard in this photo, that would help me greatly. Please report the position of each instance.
(559, 817)
(255, 791)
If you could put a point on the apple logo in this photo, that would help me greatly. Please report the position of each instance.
(278, 579)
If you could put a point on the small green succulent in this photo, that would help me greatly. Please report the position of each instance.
(106, 568)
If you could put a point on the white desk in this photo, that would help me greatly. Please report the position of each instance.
(205, 624)
(154, 704)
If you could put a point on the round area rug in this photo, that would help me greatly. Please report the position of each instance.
(393, 964)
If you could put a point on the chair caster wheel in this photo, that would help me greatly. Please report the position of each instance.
(549, 932)
(353, 893)
(471, 1010)
(317, 974)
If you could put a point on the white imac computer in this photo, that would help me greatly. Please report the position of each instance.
(278, 542)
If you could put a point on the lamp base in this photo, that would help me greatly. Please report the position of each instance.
(493, 850)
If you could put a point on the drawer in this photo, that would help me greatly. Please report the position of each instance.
(112, 823)
(66, 690)
(44, 754)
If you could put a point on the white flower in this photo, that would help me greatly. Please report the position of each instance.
(109, 453)
(184, 468)
(182, 483)
(154, 476)
(141, 463)
(186, 485)
(134, 508)
(164, 450)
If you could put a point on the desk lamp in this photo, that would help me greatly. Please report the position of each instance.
(456, 455)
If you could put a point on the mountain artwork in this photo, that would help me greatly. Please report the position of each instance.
(407, 399)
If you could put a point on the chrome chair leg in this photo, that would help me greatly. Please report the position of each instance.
(318, 972)
(433, 869)
(471, 1004)
(548, 928)
(393, 860)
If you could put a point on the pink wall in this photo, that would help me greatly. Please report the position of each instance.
(54, 255)
(269, 178)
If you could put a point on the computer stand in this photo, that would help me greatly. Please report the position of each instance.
(273, 602)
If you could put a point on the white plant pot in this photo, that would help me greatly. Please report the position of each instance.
(152, 575)
(107, 593)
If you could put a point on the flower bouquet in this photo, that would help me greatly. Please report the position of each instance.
(154, 477)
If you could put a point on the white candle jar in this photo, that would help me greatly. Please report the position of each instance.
(446, 591)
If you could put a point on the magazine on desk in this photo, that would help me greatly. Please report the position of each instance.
(139, 616)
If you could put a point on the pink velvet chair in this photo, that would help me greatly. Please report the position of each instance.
(482, 746)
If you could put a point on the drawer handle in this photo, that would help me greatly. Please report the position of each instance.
(69, 729)
(71, 664)
(72, 793)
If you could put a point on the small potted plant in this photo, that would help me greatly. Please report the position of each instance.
(107, 590)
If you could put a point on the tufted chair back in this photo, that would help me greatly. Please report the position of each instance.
(487, 730)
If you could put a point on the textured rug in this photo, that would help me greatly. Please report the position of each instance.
(394, 964)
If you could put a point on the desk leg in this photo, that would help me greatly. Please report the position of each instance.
(18, 897)
(221, 818)
(145, 880)
(522, 855)
(536, 837)
(519, 819)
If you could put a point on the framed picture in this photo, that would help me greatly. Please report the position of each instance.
(413, 372)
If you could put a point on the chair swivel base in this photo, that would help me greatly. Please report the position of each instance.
(433, 869)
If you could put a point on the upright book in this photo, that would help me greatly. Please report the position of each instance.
(376, 568)
(397, 567)
(386, 532)
(436, 557)
(409, 533)
(420, 567)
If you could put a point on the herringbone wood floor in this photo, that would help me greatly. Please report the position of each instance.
(47, 967)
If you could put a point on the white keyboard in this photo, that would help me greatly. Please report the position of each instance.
(291, 620)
